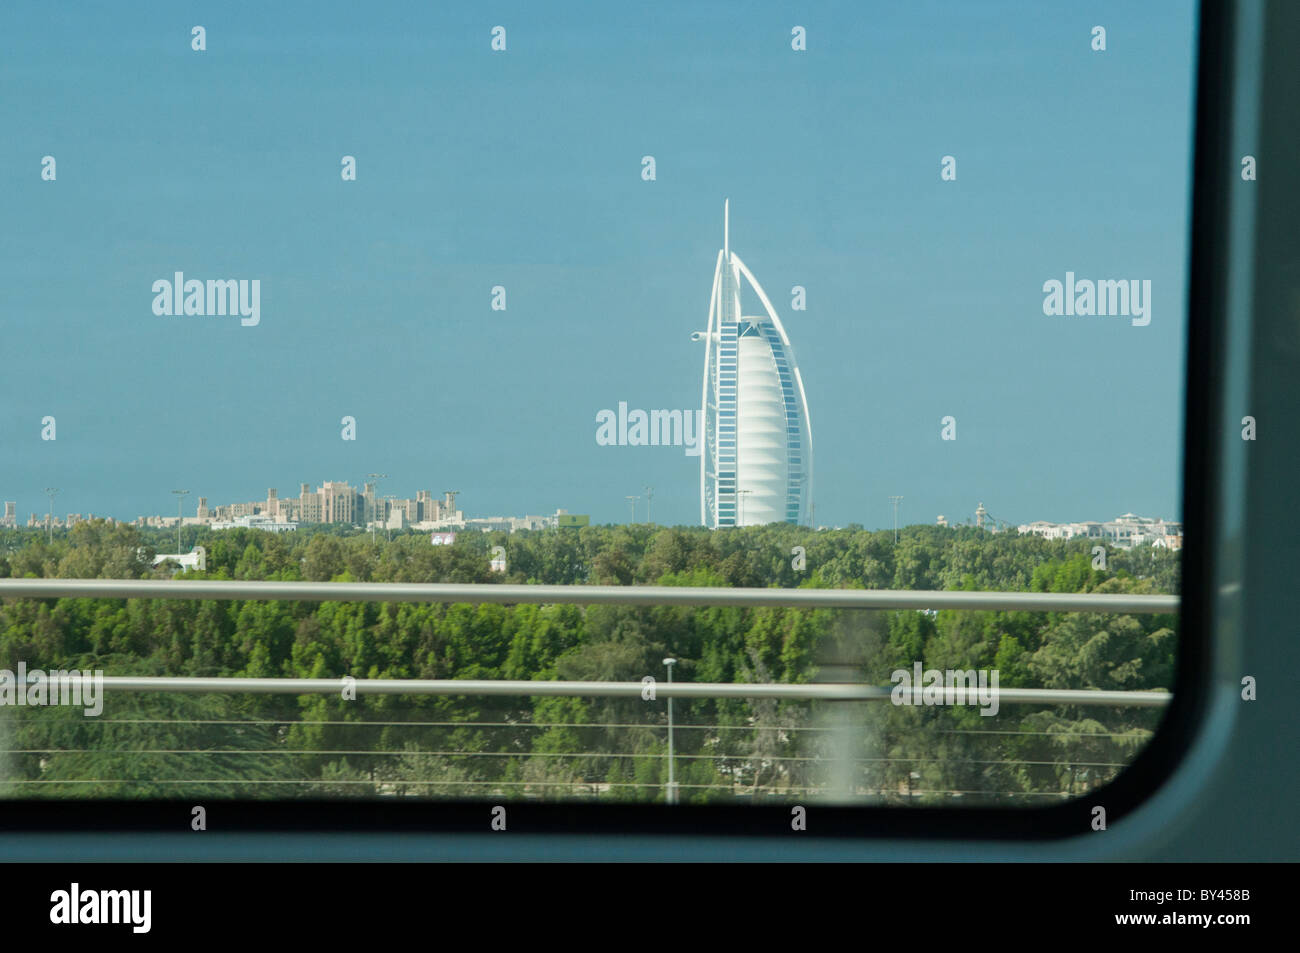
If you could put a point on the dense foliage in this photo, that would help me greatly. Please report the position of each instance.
(154, 745)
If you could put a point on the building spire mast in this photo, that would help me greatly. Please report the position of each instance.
(726, 231)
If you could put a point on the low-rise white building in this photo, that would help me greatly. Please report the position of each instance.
(256, 521)
(1123, 532)
(197, 558)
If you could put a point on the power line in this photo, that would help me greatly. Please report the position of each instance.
(1083, 735)
(595, 755)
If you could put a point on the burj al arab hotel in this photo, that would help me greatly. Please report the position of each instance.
(756, 465)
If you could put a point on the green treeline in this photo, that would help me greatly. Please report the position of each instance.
(172, 745)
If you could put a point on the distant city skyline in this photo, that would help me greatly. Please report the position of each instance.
(365, 502)
(500, 268)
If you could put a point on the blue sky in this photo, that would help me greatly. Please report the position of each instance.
(523, 169)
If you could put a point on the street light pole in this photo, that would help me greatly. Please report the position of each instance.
(896, 500)
(180, 496)
(51, 492)
(672, 780)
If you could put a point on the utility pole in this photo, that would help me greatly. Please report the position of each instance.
(51, 492)
(740, 517)
(180, 496)
(672, 782)
(632, 503)
(649, 497)
(896, 500)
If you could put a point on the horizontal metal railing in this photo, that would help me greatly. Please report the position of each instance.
(702, 596)
(592, 595)
(816, 691)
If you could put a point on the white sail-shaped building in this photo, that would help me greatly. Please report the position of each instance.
(756, 465)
